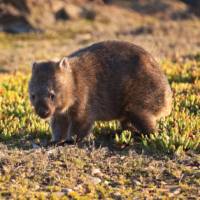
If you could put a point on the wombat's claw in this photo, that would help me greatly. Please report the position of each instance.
(68, 142)
(56, 143)
(52, 143)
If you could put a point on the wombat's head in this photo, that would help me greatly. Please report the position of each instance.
(51, 87)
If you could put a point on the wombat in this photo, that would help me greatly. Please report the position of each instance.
(110, 80)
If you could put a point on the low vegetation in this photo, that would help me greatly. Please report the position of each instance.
(112, 163)
(177, 133)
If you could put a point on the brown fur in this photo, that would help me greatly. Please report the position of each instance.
(105, 81)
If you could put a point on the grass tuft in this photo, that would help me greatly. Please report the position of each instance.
(176, 134)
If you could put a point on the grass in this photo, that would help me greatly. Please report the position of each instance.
(110, 164)
(168, 166)
(177, 133)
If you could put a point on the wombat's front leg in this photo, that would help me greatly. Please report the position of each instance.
(79, 129)
(59, 126)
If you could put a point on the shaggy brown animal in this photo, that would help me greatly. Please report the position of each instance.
(105, 81)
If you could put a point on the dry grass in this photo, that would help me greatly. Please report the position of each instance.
(165, 165)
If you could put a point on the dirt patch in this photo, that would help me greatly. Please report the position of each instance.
(73, 172)
(162, 166)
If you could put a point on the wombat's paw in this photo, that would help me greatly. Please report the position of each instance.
(60, 143)
(69, 142)
(51, 144)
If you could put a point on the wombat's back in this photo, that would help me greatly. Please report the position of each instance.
(121, 77)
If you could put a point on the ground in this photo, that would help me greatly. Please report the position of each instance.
(107, 165)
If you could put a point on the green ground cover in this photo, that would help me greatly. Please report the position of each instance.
(107, 165)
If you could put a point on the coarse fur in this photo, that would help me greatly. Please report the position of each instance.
(109, 80)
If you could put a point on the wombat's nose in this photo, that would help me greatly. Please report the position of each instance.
(43, 112)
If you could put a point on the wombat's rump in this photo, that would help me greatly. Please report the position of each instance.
(105, 81)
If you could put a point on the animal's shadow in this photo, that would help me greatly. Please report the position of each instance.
(105, 138)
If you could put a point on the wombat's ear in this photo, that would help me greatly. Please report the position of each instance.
(64, 63)
(33, 66)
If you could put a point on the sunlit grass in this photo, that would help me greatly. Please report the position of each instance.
(177, 133)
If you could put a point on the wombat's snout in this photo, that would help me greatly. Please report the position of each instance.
(43, 112)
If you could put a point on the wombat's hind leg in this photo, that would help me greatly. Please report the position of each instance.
(144, 123)
(127, 125)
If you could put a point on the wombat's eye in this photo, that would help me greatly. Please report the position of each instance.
(52, 96)
(32, 96)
